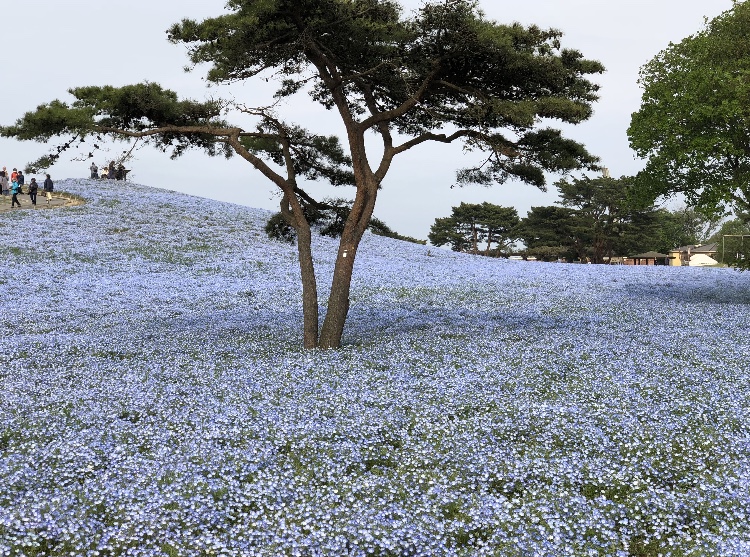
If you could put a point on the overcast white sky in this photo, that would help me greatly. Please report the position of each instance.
(54, 45)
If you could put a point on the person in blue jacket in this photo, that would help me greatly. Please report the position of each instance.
(14, 189)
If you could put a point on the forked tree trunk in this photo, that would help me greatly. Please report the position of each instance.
(309, 287)
(338, 300)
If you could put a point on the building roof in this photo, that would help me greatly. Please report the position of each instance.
(649, 255)
(700, 248)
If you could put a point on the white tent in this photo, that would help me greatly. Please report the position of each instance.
(702, 260)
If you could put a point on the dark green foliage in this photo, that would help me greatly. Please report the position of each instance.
(446, 231)
(123, 113)
(142, 106)
(329, 218)
(472, 223)
(604, 214)
(733, 239)
(277, 228)
(682, 227)
(549, 233)
(550, 253)
(600, 218)
(692, 126)
(448, 65)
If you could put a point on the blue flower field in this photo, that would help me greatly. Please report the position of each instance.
(155, 399)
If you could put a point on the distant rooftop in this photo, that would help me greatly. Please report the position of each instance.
(699, 248)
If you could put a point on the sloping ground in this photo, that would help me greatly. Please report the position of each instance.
(154, 398)
(56, 201)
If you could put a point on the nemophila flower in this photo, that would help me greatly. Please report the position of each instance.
(155, 399)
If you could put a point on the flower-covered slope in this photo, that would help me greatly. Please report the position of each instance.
(155, 400)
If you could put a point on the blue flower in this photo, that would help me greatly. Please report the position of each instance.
(155, 400)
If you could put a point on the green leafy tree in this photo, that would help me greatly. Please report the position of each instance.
(447, 231)
(550, 233)
(693, 123)
(499, 226)
(641, 232)
(603, 213)
(681, 227)
(553, 232)
(470, 224)
(733, 239)
(405, 79)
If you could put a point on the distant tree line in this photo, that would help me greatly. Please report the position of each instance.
(596, 219)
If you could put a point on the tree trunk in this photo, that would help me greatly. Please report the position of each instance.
(338, 300)
(309, 287)
(294, 215)
(598, 249)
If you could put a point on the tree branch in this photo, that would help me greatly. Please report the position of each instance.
(440, 138)
(406, 106)
(208, 130)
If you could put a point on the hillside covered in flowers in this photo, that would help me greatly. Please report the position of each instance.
(155, 398)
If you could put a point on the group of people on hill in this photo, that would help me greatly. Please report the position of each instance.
(12, 184)
(112, 172)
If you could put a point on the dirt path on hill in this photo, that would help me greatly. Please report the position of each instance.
(58, 200)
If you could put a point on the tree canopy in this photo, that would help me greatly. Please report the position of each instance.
(682, 227)
(549, 233)
(442, 74)
(607, 220)
(693, 126)
(599, 219)
(473, 223)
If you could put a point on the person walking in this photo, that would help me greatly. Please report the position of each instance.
(94, 170)
(48, 187)
(20, 180)
(33, 188)
(14, 189)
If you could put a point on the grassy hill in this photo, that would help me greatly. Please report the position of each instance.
(155, 399)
